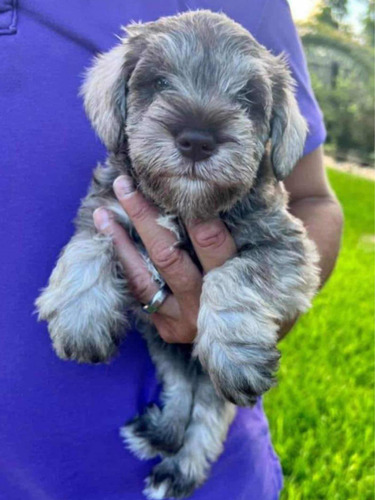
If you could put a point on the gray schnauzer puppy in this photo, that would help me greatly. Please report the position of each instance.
(205, 121)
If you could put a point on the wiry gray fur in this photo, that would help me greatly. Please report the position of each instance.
(220, 79)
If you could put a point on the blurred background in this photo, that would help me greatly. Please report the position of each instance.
(322, 412)
(338, 38)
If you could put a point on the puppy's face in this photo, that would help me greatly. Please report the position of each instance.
(198, 99)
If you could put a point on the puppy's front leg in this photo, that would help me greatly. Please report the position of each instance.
(242, 304)
(85, 300)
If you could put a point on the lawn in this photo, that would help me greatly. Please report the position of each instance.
(322, 413)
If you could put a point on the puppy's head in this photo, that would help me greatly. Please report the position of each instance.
(197, 99)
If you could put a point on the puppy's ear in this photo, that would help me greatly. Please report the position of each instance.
(288, 127)
(104, 93)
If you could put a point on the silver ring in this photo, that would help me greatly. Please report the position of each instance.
(156, 301)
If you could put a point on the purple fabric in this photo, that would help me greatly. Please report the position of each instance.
(59, 421)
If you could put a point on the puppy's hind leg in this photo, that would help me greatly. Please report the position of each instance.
(179, 475)
(161, 431)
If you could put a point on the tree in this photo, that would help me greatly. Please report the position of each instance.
(369, 24)
(332, 12)
(342, 73)
(339, 8)
(325, 16)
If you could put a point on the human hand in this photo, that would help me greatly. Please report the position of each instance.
(176, 319)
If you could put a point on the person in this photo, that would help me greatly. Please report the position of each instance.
(59, 421)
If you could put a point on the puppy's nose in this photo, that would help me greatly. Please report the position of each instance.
(196, 144)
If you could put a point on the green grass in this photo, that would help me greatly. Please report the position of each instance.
(322, 412)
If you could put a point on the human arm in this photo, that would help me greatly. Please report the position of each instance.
(312, 200)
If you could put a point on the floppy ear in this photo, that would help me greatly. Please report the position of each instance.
(104, 93)
(288, 127)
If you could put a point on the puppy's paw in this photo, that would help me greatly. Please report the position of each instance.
(239, 354)
(76, 346)
(149, 435)
(79, 328)
(242, 380)
(169, 480)
(135, 438)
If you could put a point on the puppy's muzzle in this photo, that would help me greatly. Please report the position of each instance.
(196, 144)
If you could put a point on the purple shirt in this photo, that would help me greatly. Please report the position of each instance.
(59, 421)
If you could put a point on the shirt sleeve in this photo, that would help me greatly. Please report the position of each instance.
(277, 32)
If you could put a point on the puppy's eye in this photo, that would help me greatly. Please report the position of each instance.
(246, 95)
(162, 84)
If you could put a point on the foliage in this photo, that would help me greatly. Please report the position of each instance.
(349, 114)
(339, 7)
(358, 55)
(341, 65)
(369, 24)
(322, 412)
(330, 11)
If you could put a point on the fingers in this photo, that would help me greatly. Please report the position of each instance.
(140, 281)
(176, 319)
(175, 265)
(166, 327)
(212, 243)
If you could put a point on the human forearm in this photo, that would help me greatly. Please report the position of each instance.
(313, 202)
(323, 219)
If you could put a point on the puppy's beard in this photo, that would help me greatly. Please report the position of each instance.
(191, 198)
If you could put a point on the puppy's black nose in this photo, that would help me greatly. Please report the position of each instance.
(196, 144)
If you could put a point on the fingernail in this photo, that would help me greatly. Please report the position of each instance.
(102, 219)
(123, 186)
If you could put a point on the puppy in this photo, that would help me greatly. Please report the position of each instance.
(205, 121)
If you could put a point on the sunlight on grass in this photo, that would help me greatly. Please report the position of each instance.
(322, 413)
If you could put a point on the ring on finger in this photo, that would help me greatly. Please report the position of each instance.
(157, 301)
